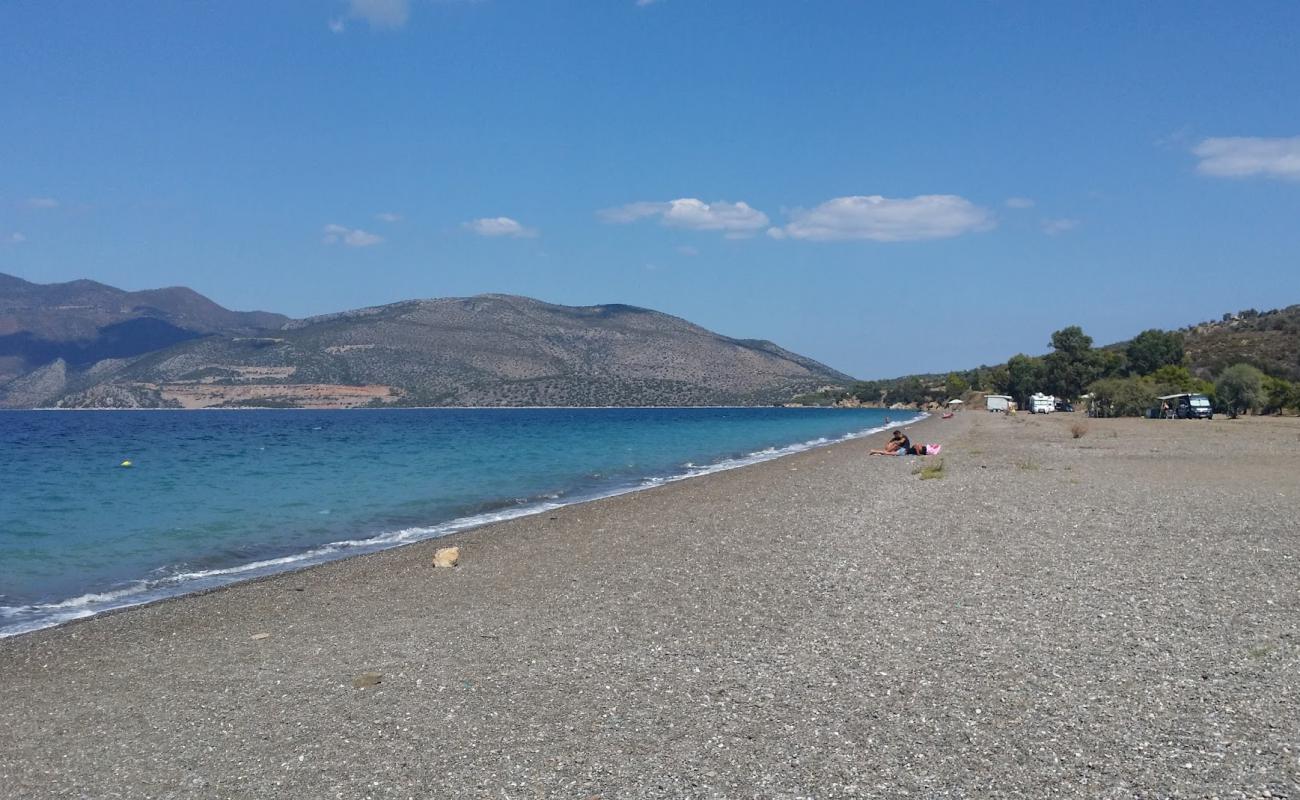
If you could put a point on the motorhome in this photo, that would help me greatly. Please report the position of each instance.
(1186, 405)
(1042, 404)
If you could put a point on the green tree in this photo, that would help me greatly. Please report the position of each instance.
(1172, 378)
(1240, 388)
(911, 390)
(1111, 363)
(1279, 394)
(998, 381)
(1152, 349)
(1122, 397)
(955, 386)
(1024, 376)
(1072, 364)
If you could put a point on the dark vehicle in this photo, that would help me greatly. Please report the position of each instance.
(1186, 406)
(1064, 405)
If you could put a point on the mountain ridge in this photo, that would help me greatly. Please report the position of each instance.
(490, 349)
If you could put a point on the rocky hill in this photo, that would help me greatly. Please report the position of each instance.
(82, 323)
(490, 350)
(1269, 340)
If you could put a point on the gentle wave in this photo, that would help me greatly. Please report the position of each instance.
(28, 618)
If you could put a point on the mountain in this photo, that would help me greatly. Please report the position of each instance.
(489, 350)
(81, 323)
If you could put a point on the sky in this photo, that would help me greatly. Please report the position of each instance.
(887, 188)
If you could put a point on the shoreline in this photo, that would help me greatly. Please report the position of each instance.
(1112, 615)
(105, 602)
(466, 408)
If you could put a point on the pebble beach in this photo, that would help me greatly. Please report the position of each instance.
(1057, 607)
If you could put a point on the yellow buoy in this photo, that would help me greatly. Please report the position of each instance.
(126, 464)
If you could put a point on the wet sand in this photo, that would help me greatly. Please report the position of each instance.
(1116, 615)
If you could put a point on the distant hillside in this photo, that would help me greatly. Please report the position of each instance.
(491, 350)
(1269, 340)
(83, 322)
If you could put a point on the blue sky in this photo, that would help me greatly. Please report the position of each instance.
(888, 188)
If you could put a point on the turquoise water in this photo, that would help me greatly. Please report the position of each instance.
(219, 496)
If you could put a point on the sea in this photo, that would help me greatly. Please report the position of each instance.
(214, 497)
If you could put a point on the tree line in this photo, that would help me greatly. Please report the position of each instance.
(1122, 380)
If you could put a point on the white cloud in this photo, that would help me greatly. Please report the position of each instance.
(380, 14)
(646, 2)
(352, 237)
(1052, 227)
(42, 202)
(15, 238)
(388, 216)
(1020, 202)
(337, 25)
(734, 219)
(687, 250)
(1245, 156)
(886, 219)
(499, 226)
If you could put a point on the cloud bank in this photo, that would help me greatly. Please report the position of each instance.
(352, 237)
(1249, 156)
(499, 226)
(886, 219)
(733, 219)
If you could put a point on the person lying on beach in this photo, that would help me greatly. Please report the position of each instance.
(897, 445)
(912, 450)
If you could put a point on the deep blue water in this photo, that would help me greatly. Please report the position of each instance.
(217, 496)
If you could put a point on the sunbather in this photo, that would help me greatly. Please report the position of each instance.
(897, 445)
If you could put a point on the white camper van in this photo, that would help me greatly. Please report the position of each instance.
(997, 402)
(1042, 404)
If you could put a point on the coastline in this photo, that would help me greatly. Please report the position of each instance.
(436, 408)
(103, 602)
(1111, 615)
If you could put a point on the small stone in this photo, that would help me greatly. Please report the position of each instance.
(367, 679)
(259, 636)
(446, 557)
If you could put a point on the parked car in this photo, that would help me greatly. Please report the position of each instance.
(1064, 405)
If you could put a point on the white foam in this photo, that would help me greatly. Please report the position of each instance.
(36, 616)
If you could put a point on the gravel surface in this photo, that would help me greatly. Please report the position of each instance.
(1115, 615)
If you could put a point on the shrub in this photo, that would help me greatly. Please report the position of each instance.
(930, 470)
(1240, 388)
(1078, 429)
(1122, 397)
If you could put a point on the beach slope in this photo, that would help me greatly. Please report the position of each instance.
(1115, 615)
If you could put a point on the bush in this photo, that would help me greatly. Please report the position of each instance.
(930, 471)
(1240, 388)
(1122, 397)
(1280, 394)
(1078, 429)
